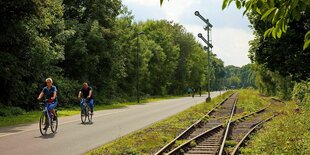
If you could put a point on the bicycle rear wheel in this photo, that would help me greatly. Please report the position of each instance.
(83, 115)
(54, 125)
(43, 124)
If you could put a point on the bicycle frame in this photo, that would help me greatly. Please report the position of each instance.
(85, 110)
(46, 119)
(47, 112)
(85, 104)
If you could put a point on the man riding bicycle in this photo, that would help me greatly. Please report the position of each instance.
(87, 94)
(50, 93)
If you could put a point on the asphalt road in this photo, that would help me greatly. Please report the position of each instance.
(73, 138)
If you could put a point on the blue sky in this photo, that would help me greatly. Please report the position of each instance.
(230, 32)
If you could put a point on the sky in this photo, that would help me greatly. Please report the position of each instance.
(230, 32)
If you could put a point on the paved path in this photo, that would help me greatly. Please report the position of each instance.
(74, 138)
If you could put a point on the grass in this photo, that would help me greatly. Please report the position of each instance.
(151, 139)
(249, 100)
(289, 133)
(20, 119)
(33, 116)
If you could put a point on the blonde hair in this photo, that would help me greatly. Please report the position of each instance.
(49, 79)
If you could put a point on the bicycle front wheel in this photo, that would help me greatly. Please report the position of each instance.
(83, 115)
(43, 125)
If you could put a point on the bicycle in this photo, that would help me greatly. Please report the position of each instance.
(47, 120)
(85, 111)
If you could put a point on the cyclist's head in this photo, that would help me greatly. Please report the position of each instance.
(49, 81)
(85, 85)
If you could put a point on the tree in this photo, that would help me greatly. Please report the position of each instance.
(164, 61)
(95, 41)
(284, 55)
(279, 13)
(272, 83)
(31, 41)
(247, 76)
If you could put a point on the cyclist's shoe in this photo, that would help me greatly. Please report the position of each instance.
(54, 118)
(46, 127)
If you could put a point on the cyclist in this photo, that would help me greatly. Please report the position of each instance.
(50, 92)
(88, 95)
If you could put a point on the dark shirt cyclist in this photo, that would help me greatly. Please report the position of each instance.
(87, 93)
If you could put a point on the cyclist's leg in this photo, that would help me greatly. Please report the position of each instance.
(91, 105)
(51, 107)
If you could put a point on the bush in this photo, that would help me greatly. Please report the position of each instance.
(301, 94)
(67, 90)
(6, 111)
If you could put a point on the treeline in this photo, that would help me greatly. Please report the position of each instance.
(74, 41)
(281, 65)
(239, 77)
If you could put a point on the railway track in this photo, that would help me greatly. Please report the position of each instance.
(217, 116)
(242, 130)
(211, 137)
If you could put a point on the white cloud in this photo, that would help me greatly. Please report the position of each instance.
(171, 10)
(143, 2)
(175, 10)
(229, 44)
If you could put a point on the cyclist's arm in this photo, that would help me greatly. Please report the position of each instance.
(41, 95)
(54, 96)
(90, 93)
(80, 93)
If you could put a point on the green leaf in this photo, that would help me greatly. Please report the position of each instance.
(267, 32)
(258, 10)
(307, 40)
(276, 16)
(306, 45)
(284, 25)
(274, 32)
(279, 33)
(224, 5)
(307, 36)
(238, 4)
(161, 2)
(248, 5)
(267, 13)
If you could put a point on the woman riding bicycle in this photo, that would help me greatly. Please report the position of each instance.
(87, 94)
(50, 92)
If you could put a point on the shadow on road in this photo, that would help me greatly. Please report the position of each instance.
(87, 123)
(47, 136)
(14, 129)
